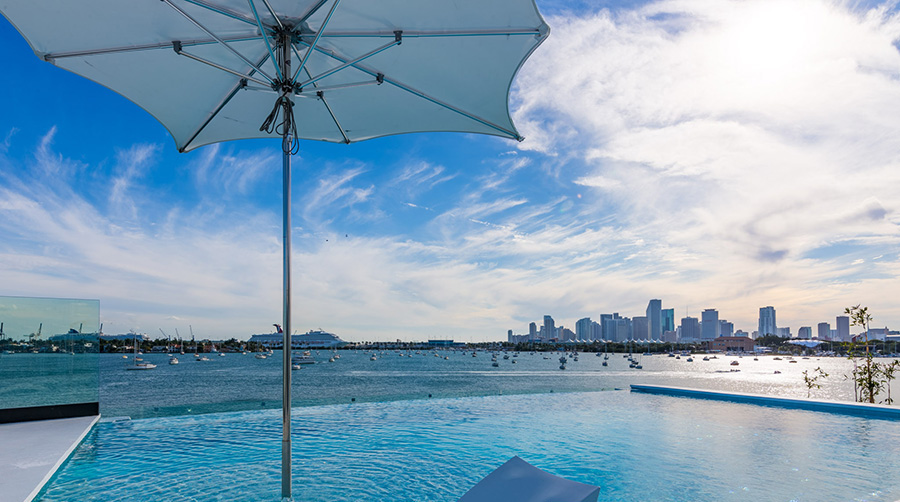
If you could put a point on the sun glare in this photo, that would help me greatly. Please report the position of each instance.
(770, 43)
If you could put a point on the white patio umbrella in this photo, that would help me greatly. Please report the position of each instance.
(330, 70)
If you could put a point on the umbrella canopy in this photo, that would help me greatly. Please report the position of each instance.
(330, 70)
(207, 69)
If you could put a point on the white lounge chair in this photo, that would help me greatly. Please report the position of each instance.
(519, 481)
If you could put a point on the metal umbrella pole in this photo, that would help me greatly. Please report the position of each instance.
(287, 139)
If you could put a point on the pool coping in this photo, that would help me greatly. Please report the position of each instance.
(857, 409)
(34, 451)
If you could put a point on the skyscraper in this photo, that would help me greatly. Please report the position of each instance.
(709, 324)
(532, 331)
(842, 323)
(640, 327)
(824, 330)
(668, 320)
(549, 327)
(726, 328)
(608, 326)
(767, 325)
(690, 328)
(654, 319)
(583, 329)
(805, 332)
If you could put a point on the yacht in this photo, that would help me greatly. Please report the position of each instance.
(303, 359)
(173, 360)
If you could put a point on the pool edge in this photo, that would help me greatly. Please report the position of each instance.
(62, 459)
(857, 409)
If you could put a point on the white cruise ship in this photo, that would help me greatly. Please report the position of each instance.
(316, 339)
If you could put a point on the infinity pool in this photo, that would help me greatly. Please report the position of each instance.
(634, 446)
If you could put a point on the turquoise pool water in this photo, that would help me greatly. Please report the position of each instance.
(634, 446)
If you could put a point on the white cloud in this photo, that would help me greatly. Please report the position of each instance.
(732, 138)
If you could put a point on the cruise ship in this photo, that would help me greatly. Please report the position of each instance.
(315, 339)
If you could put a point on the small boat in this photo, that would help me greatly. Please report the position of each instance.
(777, 372)
(173, 360)
(221, 354)
(690, 359)
(260, 356)
(562, 366)
(705, 358)
(505, 356)
(792, 361)
(296, 367)
(734, 363)
(776, 359)
(331, 359)
(202, 358)
(447, 357)
(495, 364)
(141, 366)
(373, 358)
(514, 361)
(605, 363)
(304, 359)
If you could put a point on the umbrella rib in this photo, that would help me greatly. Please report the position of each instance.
(423, 95)
(145, 47)
(436, 33)
(315, 41)
(352, 62)
(312, 10)
(272, 11)
(241, 84)
(265, 37)
(218, 39)
(223, 10)
(188, 55)
(333, 117)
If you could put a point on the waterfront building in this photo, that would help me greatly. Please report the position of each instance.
(783, 332)
(842, 323)
(668, 320)
(767, 324)
(640, 326)
(805, 332)
(730, 344)
(709, 324)
(596, 331)
(654, 319)
(690, 328)
(532, 331)
(583, 329)
(824, 331)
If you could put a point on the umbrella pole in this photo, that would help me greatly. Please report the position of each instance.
(284, 60)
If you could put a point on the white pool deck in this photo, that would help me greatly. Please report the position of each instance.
(31, 452)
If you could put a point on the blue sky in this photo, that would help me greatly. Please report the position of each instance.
(714, 154)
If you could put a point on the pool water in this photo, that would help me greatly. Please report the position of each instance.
(633, 446)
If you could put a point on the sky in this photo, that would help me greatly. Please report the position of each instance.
(711, 153)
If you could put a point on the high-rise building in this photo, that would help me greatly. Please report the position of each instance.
(509, 337)
(623, 329)
(690, 328)
(532, 331)
(596, 332)
(549, 328)
(726, 328)
(668, 320)
(783, 332)
(583, 329)
(842, 323)
(654, 319)
(824, 331)
(640, 327)
(805, 332)
(608, 326)
(767, 324)
(709, 324)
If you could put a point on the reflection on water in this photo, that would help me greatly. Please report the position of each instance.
(241, 382)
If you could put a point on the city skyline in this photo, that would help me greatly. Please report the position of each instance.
(732, 154)
(638, 327)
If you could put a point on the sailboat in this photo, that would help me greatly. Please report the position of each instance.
(139, 365)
